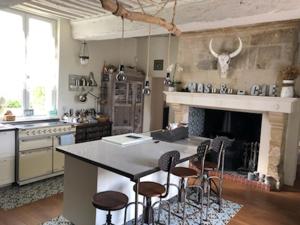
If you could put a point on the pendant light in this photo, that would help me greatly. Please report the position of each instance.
(121, 76)
(147, 89)
(167, 80)
(84, 53)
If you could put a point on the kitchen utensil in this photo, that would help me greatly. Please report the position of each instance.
(82, 97)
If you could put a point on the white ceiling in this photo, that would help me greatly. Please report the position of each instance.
(91, 22)
(74, 9)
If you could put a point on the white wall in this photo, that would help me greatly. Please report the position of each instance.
(99, 52)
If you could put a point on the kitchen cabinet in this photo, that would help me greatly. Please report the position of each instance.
(58, 158)
(7, 157)
(123, 101)
(35, 163)
(92, 131)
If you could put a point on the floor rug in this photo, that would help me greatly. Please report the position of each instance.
(16, 196)
(229, 210)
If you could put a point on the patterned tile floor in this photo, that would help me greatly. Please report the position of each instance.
(229, 210)
(12, 197)
(16, 196)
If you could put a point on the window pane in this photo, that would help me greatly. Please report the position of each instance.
(40, 66)
(12, 61)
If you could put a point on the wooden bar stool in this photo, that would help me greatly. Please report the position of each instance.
(109, 201)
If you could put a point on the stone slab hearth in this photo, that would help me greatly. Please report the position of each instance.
(279, 131)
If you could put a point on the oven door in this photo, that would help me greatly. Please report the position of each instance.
(35, 163)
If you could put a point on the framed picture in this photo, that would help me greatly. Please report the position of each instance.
(158, 64)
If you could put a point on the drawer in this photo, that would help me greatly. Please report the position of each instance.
(35, 163)
(35, 143)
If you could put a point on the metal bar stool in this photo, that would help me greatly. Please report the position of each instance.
(109, 201)
(152, 189)
(184, 173)
(202, 178)
(214, 183)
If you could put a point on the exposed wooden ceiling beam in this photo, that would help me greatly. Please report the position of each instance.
(54, 12)
(91, 4)
(53, 6)
(71, 5)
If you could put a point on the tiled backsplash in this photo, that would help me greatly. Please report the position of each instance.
(196, 121)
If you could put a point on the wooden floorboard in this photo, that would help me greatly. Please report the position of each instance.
(260, 208)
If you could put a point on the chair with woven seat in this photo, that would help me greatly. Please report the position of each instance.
(150, 189)
(110, 201)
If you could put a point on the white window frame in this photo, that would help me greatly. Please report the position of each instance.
(25, 17)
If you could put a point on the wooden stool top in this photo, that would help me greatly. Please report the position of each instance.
(150, 189)
(183, 172)
(110, 200)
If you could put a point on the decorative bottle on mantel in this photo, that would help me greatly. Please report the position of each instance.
(288, 76)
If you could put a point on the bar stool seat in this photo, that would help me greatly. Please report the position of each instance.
(110, 200)
(150, 189)
(183, 172)
(208, 166)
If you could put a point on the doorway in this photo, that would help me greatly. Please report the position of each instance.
(157, 103)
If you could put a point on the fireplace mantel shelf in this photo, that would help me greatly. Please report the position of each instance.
(235, 102)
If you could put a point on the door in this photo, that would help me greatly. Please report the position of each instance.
(35, 163)
(157, 103)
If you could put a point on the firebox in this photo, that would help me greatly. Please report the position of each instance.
(244, 128)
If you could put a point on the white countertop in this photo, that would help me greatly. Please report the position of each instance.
(132, 161)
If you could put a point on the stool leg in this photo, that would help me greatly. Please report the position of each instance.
(181, 193)
(184, 206)
(159, 211)
(108, 218)
(208, 200)
(148, 213)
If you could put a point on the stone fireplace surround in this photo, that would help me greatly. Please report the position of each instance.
(279, 128)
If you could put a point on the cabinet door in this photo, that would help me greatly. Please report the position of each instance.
(58, 158)
(138, 108)
(7, 170)
(7, 146)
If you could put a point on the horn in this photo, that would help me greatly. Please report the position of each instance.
(211, 49)
(238, 51)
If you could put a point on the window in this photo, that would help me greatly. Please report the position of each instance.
(28, 65)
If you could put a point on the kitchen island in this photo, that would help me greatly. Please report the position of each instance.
(97, 166)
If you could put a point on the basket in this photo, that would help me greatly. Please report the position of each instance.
(9, 117)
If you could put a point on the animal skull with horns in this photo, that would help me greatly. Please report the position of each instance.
(225, 58)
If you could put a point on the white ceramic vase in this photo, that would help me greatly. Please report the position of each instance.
(287, 90)
(171, 88)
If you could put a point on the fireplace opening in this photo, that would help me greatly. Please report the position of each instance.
(244, 128)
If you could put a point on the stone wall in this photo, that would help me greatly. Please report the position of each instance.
(266, 49)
